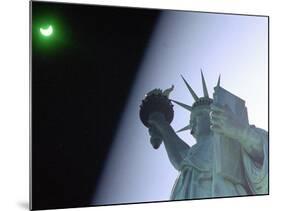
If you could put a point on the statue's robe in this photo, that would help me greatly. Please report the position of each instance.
(197, 178)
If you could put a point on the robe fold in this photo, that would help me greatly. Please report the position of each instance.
(197, 178)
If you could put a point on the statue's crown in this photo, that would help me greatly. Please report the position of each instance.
(202, 101)
(199, 101)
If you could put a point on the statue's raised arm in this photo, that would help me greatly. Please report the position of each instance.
(157, 113)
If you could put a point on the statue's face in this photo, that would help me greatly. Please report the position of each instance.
(200, 122)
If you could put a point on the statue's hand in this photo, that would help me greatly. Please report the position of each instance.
(224, 122)
(156, 121)
(155, 137)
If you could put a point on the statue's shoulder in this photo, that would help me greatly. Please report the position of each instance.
(259, 130)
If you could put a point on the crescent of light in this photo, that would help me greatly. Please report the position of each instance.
(47, 32)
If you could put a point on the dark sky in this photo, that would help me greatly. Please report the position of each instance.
(81, 79)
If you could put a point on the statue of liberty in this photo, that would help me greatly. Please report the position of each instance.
(230, 157)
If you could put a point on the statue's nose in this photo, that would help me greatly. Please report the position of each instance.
(192, 131)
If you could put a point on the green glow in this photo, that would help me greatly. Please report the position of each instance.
(47, 32)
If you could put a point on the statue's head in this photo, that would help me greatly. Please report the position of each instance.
(199, 123)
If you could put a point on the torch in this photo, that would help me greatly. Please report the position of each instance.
(156, 101)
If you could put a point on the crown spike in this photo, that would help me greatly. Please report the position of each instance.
(188, 127)
(187, 107)
(219, 81)
(205, 90)
(195, 97)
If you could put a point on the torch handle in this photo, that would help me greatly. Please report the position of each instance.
(156, 142)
